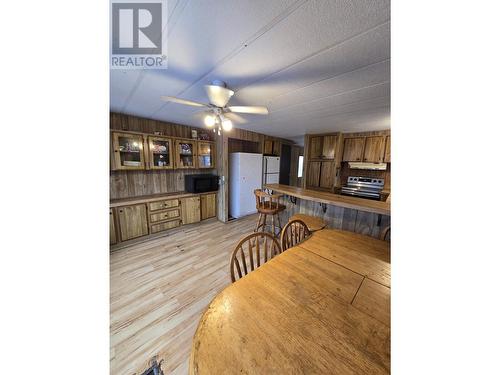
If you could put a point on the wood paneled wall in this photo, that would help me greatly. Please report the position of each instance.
(120, 121)
(367, 223)
(222, 162)
(129, 184)
(239, 145)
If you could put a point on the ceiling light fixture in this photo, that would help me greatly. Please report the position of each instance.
(210, 120)
(227, 125)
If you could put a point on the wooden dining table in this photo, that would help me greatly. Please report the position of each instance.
(322, 307)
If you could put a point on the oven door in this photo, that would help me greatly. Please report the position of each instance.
(355, 192)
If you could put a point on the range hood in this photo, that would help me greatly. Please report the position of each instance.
(368, 166)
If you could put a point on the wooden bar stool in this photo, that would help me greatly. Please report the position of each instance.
(313, 223)
(268, 204)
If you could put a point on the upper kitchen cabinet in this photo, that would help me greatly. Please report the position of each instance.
(315, 147)
(322, 147)
(387, 157)
(272, 147)
(185, 154)
(268, 147)
(277, 148)
(374, 149)
(328, 149)
(353, 149)
(160, 153)
(128, 151)
(206, 154)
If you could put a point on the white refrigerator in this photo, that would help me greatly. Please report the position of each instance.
(271, 170)
(245, 175)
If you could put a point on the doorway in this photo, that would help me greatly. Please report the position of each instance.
(285, 159)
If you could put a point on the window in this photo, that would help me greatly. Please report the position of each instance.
(301, 166)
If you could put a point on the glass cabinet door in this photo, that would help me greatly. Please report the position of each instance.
(128, 151)
(185, 154)
(160, 153)
(206, 152)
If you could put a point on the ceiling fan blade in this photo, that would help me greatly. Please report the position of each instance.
(218, 95)
(235, 117)
(182, 101)
(255, 110)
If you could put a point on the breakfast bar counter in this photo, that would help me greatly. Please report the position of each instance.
(345, 201)
(365, 216)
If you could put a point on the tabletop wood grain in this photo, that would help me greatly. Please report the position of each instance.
(302, 313)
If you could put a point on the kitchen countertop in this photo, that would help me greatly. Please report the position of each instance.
(367, 205)
(153, 197)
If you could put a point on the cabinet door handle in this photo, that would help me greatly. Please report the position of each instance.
(121, 211)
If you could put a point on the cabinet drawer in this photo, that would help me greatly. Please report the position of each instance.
(161, 205)
(164, 226)
(165, 215)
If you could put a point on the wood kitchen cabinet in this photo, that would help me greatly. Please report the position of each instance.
(374, 149)
(206, 154)
(316, 147)
(112, 228)
(133, 221)
(268, 147)
(272, 147)
(190, 208)
(387, 157)
(322, 147)
(353, 149)
(185, 154)
(329, 144)
(313, 174)
(208, 205)
(160, 153)
(277, 148)
(128, 151)
(327, 175)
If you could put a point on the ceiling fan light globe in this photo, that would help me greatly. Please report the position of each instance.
(227, 125)
(209, 120)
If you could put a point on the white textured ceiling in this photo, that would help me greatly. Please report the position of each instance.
(318, 65)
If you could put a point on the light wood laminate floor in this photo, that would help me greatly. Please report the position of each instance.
(160, 288)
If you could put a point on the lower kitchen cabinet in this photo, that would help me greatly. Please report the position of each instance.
(112, 228)
(208, 206)
(313, 173)
(156, 215)
(190, 208)
(155, 228)
(327, 176)
(133, 221)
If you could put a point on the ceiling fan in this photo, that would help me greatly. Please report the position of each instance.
(217, 111)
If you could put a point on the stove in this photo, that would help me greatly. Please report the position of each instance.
(363, 187)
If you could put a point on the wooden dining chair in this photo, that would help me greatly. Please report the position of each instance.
(384, 234)
(313, 223)
(268, 204)
(293, 233)
(252, 251)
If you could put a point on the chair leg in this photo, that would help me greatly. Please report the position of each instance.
(279, 223)
(274, 228)
(264, 223)
(258, 223)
